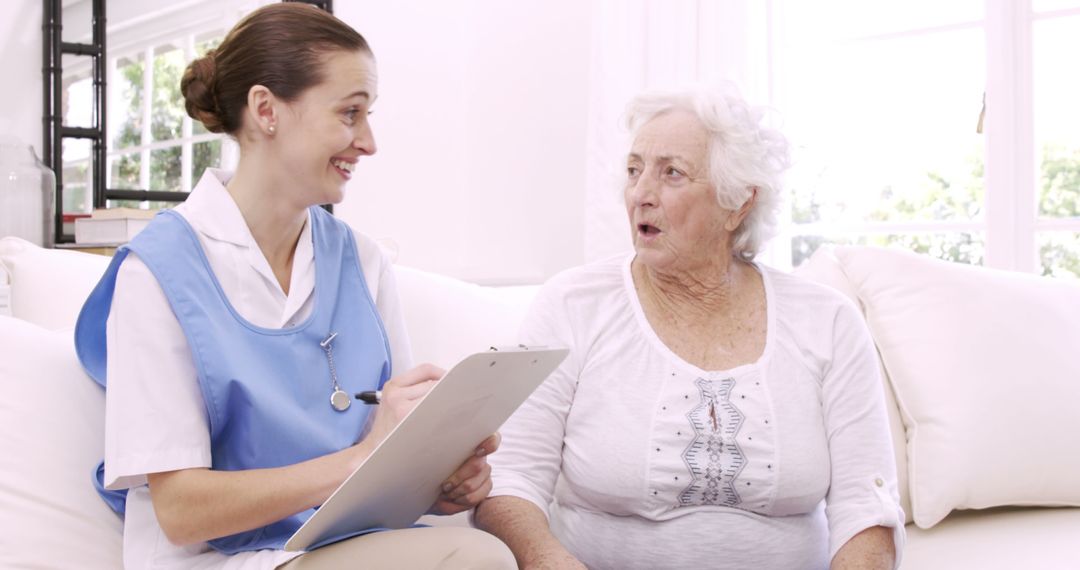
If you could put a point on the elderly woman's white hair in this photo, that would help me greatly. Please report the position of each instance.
(743, 154)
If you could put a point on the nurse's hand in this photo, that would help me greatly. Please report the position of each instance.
(470, 484)
(400, 395)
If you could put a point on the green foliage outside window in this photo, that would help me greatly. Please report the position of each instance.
(1059, 197)
(125, 169)
(939, 199)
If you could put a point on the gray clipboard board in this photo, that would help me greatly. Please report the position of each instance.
(400, 480)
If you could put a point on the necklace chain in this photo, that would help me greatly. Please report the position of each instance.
(330, 358)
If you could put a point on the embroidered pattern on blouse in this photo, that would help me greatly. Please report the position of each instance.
(713, 457)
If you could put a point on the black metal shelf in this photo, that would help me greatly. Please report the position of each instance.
(54, 131)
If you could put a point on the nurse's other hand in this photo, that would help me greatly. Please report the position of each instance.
(400, 395)
(470, 484)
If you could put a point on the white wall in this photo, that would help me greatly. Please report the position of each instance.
(480, 124)
(20, 58)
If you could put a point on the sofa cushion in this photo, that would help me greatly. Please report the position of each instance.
(49, 285)
(823, 267)
(984, 368)
(52, 418)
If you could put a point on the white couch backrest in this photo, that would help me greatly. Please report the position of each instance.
(448, 319)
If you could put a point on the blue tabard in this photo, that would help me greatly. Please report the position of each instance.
(267, 391)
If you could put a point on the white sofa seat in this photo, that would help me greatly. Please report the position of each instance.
(52, 518)
(1043, 539)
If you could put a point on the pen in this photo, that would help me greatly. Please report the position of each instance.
(369, 396)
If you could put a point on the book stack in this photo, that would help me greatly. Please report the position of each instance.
(111, 226)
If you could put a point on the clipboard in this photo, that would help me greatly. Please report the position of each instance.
(401, 478)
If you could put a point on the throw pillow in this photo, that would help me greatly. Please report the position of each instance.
(984, 367)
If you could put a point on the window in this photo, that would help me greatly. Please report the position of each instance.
(883, 104)
(153, 144)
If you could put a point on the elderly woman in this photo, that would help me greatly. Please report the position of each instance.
(713, 412)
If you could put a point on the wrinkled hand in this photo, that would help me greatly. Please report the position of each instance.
(400, 395)
(470, 484)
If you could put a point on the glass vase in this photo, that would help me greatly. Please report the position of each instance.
(27, 194)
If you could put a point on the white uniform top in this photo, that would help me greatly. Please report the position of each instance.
(660, 464)
(155, 418)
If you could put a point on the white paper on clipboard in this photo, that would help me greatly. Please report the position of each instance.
(400, 480)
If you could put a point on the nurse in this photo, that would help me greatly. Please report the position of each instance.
(233, 330)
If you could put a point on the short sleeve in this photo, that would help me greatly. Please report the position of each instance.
(529, 458)
(863, 490)
(155, 417)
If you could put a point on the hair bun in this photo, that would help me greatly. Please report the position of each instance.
(200, 98)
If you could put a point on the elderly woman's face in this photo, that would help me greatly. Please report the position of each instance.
(675, 218)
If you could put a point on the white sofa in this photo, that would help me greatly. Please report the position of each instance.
(51, 414)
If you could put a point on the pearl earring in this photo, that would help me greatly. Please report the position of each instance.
(272, 129)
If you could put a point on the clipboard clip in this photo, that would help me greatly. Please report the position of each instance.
(519, 347)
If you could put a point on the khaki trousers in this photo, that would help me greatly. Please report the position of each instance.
(444, 548)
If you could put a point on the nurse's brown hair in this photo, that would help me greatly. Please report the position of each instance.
(279, 46)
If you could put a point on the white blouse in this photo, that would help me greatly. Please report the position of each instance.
(772, 464)
(155, 418)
